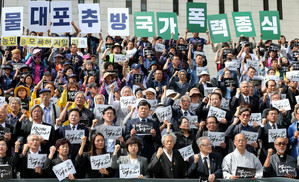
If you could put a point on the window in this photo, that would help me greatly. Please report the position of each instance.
(221, 7)
(80, 1)
(266, 5)
(176, 6)
(236, 5)
(129, 5)
(279, 8)
(143, 5)
(96, 1)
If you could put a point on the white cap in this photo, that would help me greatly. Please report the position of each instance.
(203, 73)
(170, 92)
(149, 90)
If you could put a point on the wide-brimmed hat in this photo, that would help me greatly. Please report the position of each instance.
(195, 91)
(203, 73)
(117, 45)
(107, 74)
(149, 90)
(170, 92)
(8, 66)
(24, 87)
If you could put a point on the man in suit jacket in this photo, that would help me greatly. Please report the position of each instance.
(242, 95)
(24, 130)
(183, 110)
(5, 128)
(263, 131)
(264, 102)
(215, 101)
(60, 132)
(205, 165)
(147, 141)
(203, 82)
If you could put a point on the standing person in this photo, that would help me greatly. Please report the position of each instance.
(167, 162)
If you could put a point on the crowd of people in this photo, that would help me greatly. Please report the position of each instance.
(37, 84)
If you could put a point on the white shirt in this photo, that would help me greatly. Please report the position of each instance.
(169, 157)
(76, 126)
(208, 160)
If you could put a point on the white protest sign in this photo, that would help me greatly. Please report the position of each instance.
(275, 133)
(74, 136)
(193, 107)
(119, 58)
(34, 160)
(200, 69)
(192, 121)
(293, 75)
(80, 42)
(164, 113)
(195, 53)
(41, 130)
(118, 21)
(209, 90)
(255, 117)
(272, 77)
(129, 170)
(61, 16)
(250, 136)
(218, 113)
(63, 169)
(99, 108)
(100, 161)
(108, 87)
(176, 104)
(230, 65)
(130, 53)
(89, 18)
(216, 138)
(254, 64)
(153, 103)
(38, 16)
(279, 104)
(127, 101)
(238, 62)
(186, 152)
(112, 132)
(159, 47)
(224, 104)
(2, 101)
(297, 99)
(12, 21)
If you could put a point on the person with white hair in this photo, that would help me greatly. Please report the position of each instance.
(181, 85)
(167, 162)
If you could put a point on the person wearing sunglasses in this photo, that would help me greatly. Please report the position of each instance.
(279, 158)
(241, 123)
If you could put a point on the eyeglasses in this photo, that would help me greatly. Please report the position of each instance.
(245, 115)
(206, 145)
(239, 141)
(280, 143)
(211, 123)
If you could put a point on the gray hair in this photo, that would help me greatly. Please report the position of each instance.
(15, 98)
(185, 96)
(168, 134)
(32, 135)
(199, 140)
(35, 106)
(244, 82)
(79, 92)
(121, 92)
(182, 70)
(94, 98)
(274, 93)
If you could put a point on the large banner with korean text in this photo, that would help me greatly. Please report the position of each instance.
(196, 17)
(118, 21)
(144, 24)
(243, 24)
(12, 21)
(38, 16)
(270, 26)
(61, 16)
(166, 25)
(89, 18)
(219, 29)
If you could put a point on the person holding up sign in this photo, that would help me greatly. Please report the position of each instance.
(132, 145)
(293, 133)
(20, 160)
(240, 157)
(236, 127)
(167, 162)
(63, 147)
(274, 161)
(96, 147)
(5, 159)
